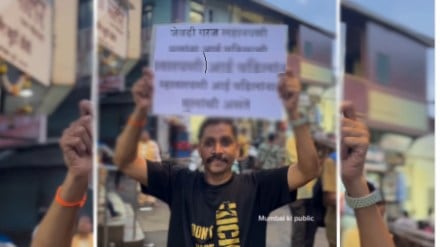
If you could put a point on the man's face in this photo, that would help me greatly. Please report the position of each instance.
(218, 148)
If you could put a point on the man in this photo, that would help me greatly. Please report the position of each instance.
(84, 234)
(313, 201)
(405, 221)
(243, 144)
(355, 139)
(216, 207)
(148, 150)
(57, 226)
(270, 154)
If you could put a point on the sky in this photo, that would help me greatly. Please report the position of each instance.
(418, 15)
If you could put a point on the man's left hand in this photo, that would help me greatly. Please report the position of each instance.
(289, 89)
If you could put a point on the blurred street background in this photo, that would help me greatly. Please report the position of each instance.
(45, 70)
(388, 51)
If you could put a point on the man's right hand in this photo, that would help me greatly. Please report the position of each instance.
(355, 139)
(142, 91)
(126, 145)
(77, 143)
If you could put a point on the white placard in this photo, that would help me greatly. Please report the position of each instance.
(26, 36)
(113, 26)
(219, 69)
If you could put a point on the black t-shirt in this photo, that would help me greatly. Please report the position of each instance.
(231, 214)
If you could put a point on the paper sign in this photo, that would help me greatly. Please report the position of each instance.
(26, 36)
(219, 69)
(112, 27)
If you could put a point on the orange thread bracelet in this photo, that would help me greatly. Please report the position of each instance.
(135, 123)
(63, 203)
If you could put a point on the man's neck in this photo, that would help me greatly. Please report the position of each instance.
(217, 179)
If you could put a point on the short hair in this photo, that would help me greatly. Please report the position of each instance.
(214, 121)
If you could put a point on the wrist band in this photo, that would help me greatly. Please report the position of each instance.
(363, 202)
(136, 123)
(296, 123)
(63, 203)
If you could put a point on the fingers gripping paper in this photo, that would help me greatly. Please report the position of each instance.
(218, 69)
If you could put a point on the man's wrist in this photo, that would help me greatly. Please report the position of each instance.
(139, 113)
(138, 117)
(294, 115)
(356, 187)
(74, 187)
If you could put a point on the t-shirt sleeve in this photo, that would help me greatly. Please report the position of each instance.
(161, 177)
(273, 189)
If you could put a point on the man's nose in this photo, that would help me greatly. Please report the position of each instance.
(218, 149)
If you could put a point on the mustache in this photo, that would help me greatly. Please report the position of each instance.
(216, 157)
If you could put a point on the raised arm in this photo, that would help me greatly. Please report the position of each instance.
(126, 145)
(308, 166)
(57, 227)
(354, 146)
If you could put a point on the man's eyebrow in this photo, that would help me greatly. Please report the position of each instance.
(228, 137)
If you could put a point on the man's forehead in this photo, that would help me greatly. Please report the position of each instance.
(218, 129)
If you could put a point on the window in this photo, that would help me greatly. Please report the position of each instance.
(85, 18)
(211, 16)
(382, 69)
(308, 49)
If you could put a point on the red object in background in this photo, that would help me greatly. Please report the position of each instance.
(183, 146)
(18, 130)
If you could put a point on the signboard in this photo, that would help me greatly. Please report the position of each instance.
(315, 73)
(19, 130)
(65, 44)
(219, 69)
(26, 36)
(134, 29)
(113, 26)
(111, 83)
(84, 61)
(397, 111)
